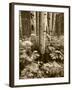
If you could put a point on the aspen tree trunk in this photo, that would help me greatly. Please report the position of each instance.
(33, 22)
(43, 26)
(50, 23)
(37, 23)
(20, 24)
(47, 23)
(37, 26)
(54, 23)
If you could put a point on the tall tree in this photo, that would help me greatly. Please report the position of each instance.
(43, 26)
(20, 25)
(54, 23)
(47, 22)
(33, 22)
(50, 23)
(37, 26)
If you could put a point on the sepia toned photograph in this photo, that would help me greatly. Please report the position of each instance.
(39, 45)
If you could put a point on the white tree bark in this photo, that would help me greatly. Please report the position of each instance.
(50, 22)
(37, 26)
(43, 26)
(54, 22)
(33, 22)
(20, 24)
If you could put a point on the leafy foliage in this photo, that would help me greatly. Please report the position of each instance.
(34, 65)
(56, 48)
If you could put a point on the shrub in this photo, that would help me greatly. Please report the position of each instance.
(35, 65)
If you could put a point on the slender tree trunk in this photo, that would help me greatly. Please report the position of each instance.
(37, 23)
(37, 27)
(54, 23)
(20, 24)
(33, 22)
(43, 26)
(50, 23)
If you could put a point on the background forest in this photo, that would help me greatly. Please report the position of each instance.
(41, 44)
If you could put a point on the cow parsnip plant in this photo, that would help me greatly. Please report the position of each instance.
(34, 65)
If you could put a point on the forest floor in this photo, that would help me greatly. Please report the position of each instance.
(47, 70)
(35, 65)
